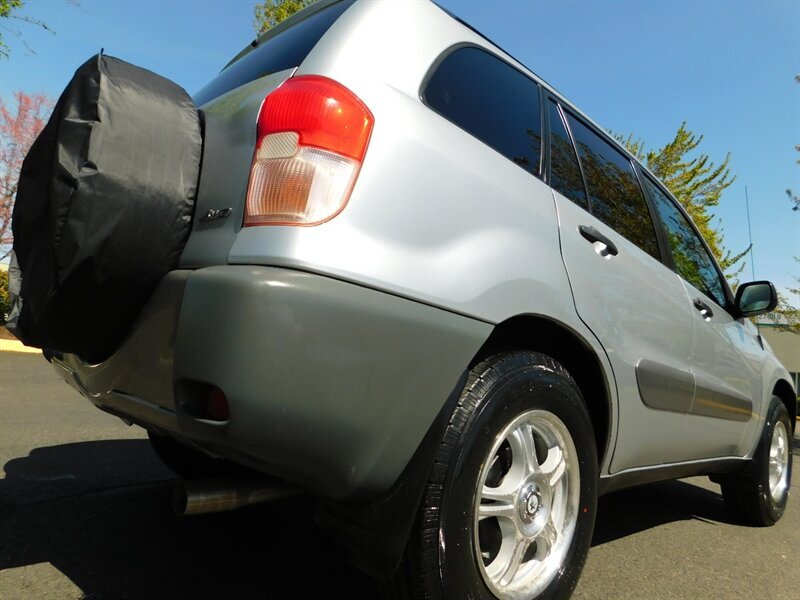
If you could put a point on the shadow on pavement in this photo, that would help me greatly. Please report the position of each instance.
(56, 471)
(631, 511)
(94, 512)
(100, 513)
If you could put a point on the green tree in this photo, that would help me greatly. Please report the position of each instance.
(6, 8)
(793, 197)
(791, 312)
(696, 182)
(271, 12)
(8, 11)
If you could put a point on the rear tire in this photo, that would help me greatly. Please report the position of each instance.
(757, 496)
(509, 507)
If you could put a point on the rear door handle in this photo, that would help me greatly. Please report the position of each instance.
(594, 236)
(705, 309)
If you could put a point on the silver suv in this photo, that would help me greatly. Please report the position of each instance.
(423, 286)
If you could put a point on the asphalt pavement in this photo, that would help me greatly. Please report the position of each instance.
(85, 512)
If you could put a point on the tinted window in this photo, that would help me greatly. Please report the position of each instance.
(692, 260)
(614, 192)
(285, 50)
(565, 174)
(492, 101)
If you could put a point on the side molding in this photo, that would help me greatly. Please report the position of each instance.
(665, 388)
(677, 390)
(721, 405)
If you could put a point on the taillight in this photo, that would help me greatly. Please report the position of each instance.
(312, 136)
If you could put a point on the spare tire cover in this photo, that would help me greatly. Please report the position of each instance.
(104, 206)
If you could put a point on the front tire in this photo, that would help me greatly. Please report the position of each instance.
(758, 495)
(510, 504)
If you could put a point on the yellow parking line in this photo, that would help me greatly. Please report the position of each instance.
(16, 346)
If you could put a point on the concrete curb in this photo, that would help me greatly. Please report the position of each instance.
(17, 346)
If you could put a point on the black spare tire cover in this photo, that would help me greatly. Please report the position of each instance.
(104, 206)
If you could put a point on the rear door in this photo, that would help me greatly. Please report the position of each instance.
(636, 307)
(726, 357)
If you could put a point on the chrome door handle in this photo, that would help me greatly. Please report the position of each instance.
(705, 309)
(592, 235)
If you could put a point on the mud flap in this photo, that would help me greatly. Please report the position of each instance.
(104, 206)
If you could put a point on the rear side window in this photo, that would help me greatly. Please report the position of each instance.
(692, 260)
(614, 192)
(565, 174)
(285, 50)
(491, 100)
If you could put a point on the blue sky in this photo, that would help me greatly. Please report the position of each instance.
(725, 67)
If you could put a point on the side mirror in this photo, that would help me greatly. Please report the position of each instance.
(755, 298)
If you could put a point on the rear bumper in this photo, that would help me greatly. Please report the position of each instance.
(330, 384)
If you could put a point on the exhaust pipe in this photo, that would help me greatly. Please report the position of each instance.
(196, 497)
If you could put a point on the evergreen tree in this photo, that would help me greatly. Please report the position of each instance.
(271, 12)
(696, 182)
(794, 198)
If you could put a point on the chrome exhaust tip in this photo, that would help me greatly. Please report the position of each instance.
(201, 496)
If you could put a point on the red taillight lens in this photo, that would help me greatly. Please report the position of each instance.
(312, 136)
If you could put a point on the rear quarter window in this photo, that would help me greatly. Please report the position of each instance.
(285, 50)
(491, 100)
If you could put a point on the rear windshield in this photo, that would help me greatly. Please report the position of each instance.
(277, 53)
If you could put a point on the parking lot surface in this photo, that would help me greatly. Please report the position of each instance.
(85, 512)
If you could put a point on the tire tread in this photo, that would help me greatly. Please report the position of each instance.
(412, 583)
(746, 495)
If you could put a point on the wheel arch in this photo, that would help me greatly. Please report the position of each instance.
(375, 533)
(541, 334)
(784, 391)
